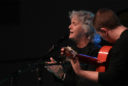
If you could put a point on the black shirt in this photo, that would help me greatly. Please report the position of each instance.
(117, 73)
(71, 78)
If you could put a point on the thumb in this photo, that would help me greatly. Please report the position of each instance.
(52, 60)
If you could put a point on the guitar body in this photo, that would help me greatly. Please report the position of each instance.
(102, 56)
(99, 61)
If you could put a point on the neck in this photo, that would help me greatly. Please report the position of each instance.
(83, 42)
(115, 34)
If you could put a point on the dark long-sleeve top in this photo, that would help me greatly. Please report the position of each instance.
(71, 78)
(117, 72)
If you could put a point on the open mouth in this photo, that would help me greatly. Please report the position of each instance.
(71, 32)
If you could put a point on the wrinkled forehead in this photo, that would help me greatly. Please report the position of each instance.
(76, 18)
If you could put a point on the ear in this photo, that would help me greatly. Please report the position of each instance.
(104, 30)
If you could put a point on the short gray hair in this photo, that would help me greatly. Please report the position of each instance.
(86, 18)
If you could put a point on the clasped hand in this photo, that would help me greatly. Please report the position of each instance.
(57, 69)
(54, 68)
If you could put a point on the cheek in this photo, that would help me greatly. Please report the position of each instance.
(102, 35)
(79, 30)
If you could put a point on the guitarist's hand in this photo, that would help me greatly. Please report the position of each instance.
(66, 55)
(65, 52)
(73, 60)
(75, 65)
(68, 52)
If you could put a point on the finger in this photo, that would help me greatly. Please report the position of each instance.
(62, 49)
(76, 59)
(48, 62)
(72, 62)
(62, 53)
(52, 60)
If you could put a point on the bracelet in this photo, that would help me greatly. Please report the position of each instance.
(63, 77)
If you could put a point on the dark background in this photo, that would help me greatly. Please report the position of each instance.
(28, 28)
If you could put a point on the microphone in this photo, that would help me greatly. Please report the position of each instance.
(62, 39)
(54, 51)
(60, 42)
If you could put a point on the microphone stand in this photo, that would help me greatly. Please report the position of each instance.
(39, 63)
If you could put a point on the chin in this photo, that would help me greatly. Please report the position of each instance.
(70, 37)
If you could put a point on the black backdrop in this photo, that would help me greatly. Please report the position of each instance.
(29, 27)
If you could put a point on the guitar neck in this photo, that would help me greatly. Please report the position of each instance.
(87, 59)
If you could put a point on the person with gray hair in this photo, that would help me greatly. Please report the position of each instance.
(85, 18)
(82, 34)
(84, 21)
(109, 27)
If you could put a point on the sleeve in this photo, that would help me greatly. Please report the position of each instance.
(116, 73)
(70, 76)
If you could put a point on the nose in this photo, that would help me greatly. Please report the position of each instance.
(69, 26)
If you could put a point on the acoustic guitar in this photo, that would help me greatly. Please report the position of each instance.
(99, 61)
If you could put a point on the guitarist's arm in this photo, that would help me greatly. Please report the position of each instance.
(91, 75)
